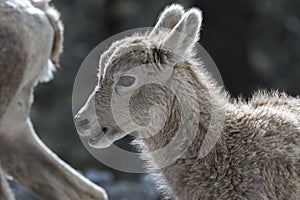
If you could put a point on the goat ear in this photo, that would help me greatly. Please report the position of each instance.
(185, 34)
(168, 18)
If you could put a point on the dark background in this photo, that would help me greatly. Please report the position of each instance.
(255, 44)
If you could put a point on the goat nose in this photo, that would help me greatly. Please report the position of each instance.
(104, 129)
(83, 124)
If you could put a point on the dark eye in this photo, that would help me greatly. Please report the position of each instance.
(126, 81)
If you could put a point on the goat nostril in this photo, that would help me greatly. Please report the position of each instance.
(104, 129)
(83, 123)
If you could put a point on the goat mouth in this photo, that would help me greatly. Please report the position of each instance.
(95, 138)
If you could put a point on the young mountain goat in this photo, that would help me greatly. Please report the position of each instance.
(257, 154)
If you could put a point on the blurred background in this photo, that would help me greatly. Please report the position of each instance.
(255, 44)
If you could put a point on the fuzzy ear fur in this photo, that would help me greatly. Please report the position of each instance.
(185, 34)
(168, 18)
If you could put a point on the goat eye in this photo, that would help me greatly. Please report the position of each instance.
(126, 81)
